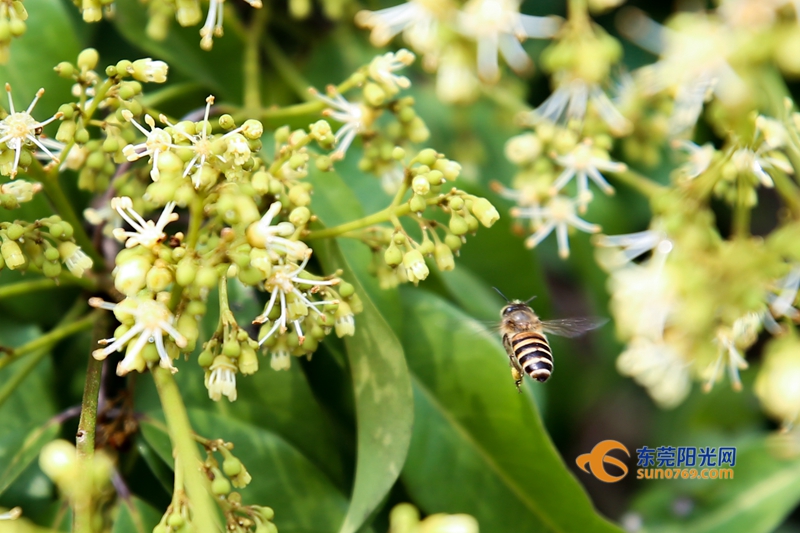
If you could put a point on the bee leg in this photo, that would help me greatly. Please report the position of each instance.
(517, 377)
(518, 382)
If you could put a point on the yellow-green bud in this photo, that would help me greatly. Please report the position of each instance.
(186, 271)
(131, 276)
(417, 204)
(444, 257)
(207, 277)
(374, 95)
(453, 242)
(159, 277)
(14, 231)
(420, 185)
(252, 129)
(220, 486)
(65, 69)
(299, 216)
(398, 153)
(298, 195)
(458, 225)
(485, 212)
(393, 256)
(12, 255)
(87, 59)
(58, 460)
(248, 364)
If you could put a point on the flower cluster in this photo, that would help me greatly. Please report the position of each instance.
(444, 35)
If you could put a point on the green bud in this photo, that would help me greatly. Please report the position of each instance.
(185, 272)
(426, 247)
(299, 216)
(393, 256)
(159, 278)
(444, 257)
(226, 122)
(150, 353)
(231, 466)
(250, 276)
(374, 95)
(420, 186)
(14, 231)
(231, 348)
(298, 195)
(453, 242)
(323, 163)
(205, 358)
(458, 225)
(65, 69)
(428, 157)
(456, 203)
(87, 59)
(398, 153)
(175, 521)
(417, 204)
(248, 364)
(66, 131)
(207, 277)
(17, 27)
(221, 486)
(51, 254)
(51, 269)
(82, 136)
(346, 289)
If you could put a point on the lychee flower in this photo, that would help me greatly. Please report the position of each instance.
(352, 116)
(21, 190)
(263, 234)
(74, 258)
(213, 24)
(382, 69)
(574, 96)
(280, 285)
(746, 159)
(497, 25)
(415, 268)
(147, 233)
(221, 379)
(627, 247)
(418, 19)
(149, 71)
(699, 159)
(280, 358)
(19, 129)
(345, 324)
(693, 63)
(201, 144)
(585, 162)
(742, 335)
(558, 214)
(782, 304)
(456, 82)
(151, 320)
(659, 367)
(157, 141)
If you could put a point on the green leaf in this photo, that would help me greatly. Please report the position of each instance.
(303, 497)
(219, 69)
(383, 401)
(764, 490)
(25, 452)
(135, 516)
(479, 447)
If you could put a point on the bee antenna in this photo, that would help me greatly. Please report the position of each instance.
(530, 299)
(501, 294)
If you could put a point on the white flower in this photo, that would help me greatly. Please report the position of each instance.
(221, 379)
(574, 96)
(391, 179)
(418, 19)
(585, 163)
(147, 233)
(152, 320)
(280, 285)
(456, 82)
(700, 157)
(415, 267)
(74, 258)
(263, 234)
(498, 25)
(345, 323)
(20, 129)
(746, 159)
(21, 190)
(693, 63)
(642, 296)
(659, 367)
(352, 116)
(558, 214)
(742, 334)
(147, 70)
(201, 144)
(213, 24)
(157, 141)
(280, 359)
(782, 304)
(382, 69)
(627, 247)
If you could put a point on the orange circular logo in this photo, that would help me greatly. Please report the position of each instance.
(598, 456)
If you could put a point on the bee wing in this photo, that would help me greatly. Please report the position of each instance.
(572, 327)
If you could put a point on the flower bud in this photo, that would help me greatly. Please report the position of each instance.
(74, 258)
(147, 70)
(415, 266)
(65, 69)
(420, 185)
(417, 204)
(453, 242)
(454, 523)
(252, 129)
(444, 257)
(12, 254)
(159, 277)
(458, 225)
(345, 322)
(87, 59)
(248, 363)
(131, 276)
(776, 385)
(58, 460)
(485, 212)
(393, 256)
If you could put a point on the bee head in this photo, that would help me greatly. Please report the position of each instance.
(518, 313)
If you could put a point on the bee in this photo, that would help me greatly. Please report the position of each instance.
(525, 341)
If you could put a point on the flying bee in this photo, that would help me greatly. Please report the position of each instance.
(525, 341)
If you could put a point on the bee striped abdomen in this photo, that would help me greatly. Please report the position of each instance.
(533, 353)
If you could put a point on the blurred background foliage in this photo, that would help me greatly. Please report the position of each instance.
(439, 406)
